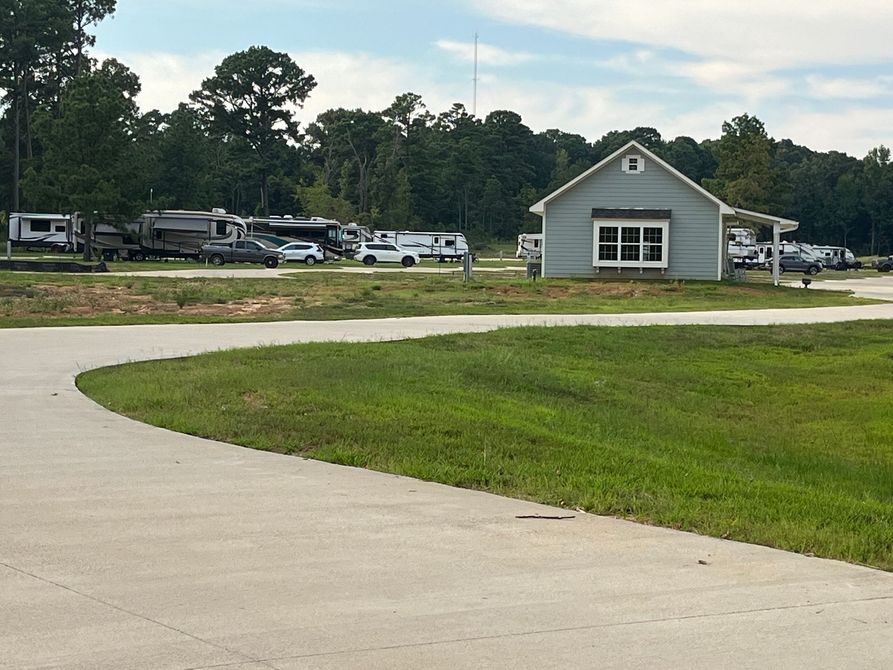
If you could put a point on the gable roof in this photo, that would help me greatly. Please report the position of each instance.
(540, 207)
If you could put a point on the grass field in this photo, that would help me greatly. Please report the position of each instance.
(779, 436)
(28, 300)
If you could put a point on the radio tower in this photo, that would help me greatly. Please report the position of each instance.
(474, 101)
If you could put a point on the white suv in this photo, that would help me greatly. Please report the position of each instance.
(308, 252)
(370, 253)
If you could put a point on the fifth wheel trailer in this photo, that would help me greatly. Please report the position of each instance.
(40, 231)
(163, 234)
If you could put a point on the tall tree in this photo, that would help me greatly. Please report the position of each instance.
(88, 165)
(746, 175)
(250, 97)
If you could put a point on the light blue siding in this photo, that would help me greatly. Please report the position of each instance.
(694, 223)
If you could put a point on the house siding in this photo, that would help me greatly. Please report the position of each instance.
(694, 224)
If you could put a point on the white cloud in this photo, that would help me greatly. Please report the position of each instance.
(768, 34)
(166, 79)
(850, 89)
(487, 53)
(855, 130)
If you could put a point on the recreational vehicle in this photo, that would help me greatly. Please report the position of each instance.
(164, 234)
(530, 245)
(353, 235)
(742, 247)
(764, 251)
(442, 246)
(41, 231)
(324, 232)
(838, 258)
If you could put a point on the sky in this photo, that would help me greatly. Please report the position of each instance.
(819, 72)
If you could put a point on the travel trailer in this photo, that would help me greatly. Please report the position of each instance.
(838, 258)
(530, 245)
(441, 246)
(764, 251)
(163, 234)
(40, 231)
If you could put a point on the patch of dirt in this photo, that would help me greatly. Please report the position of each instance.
(54, 300)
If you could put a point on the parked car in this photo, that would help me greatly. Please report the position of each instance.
(794, 263)
(305, 252)
(884, 264)
(370, 253)
(244, 251)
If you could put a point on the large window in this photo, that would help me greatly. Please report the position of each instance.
(634, 244)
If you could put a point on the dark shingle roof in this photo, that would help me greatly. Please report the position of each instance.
(630, 213)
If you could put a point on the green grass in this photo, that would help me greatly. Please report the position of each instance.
(28, 300)
(779, 436)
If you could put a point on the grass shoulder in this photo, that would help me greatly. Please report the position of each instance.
(28, 300)
(778, 436)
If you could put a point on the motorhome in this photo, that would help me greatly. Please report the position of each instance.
(164, 234)
(40, 231)
(324, 232)
(440, 246)
(838, 258)
(530, 245)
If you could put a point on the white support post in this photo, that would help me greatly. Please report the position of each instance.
(776, 242)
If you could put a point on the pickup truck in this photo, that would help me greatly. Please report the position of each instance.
(243, 251)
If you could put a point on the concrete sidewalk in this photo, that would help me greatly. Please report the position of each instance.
(127, 546)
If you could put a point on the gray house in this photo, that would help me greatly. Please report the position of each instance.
(633, 215)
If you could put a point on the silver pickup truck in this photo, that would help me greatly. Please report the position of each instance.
(243, 251)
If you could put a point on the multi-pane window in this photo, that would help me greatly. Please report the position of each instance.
(653, 245)
(607, 243)
(630, 243)
(641, 244)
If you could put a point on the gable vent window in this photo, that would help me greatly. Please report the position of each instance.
(633, 164)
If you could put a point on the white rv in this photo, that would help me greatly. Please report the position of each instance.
(764, 251)
(838, 258)
(40, 231)
(441, 246)
(742, 247)
(530, 245)
(164, 234)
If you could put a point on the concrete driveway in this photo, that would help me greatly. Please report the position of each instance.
(127, 546)
(878, 288)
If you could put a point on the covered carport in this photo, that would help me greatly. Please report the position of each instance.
(736, 217)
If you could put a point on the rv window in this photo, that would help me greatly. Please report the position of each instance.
(436, 240)
(40, 226)
(450, 243)
(158, 234)
(221, 228)
(60, 229)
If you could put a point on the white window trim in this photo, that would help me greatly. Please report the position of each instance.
(640, 164)
(598, 224)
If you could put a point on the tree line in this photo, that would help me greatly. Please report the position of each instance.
(74, 139)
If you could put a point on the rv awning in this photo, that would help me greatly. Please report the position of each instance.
(746, 217)
(182, 225)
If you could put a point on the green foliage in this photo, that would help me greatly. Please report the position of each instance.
(250, 97)
(89, 163)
